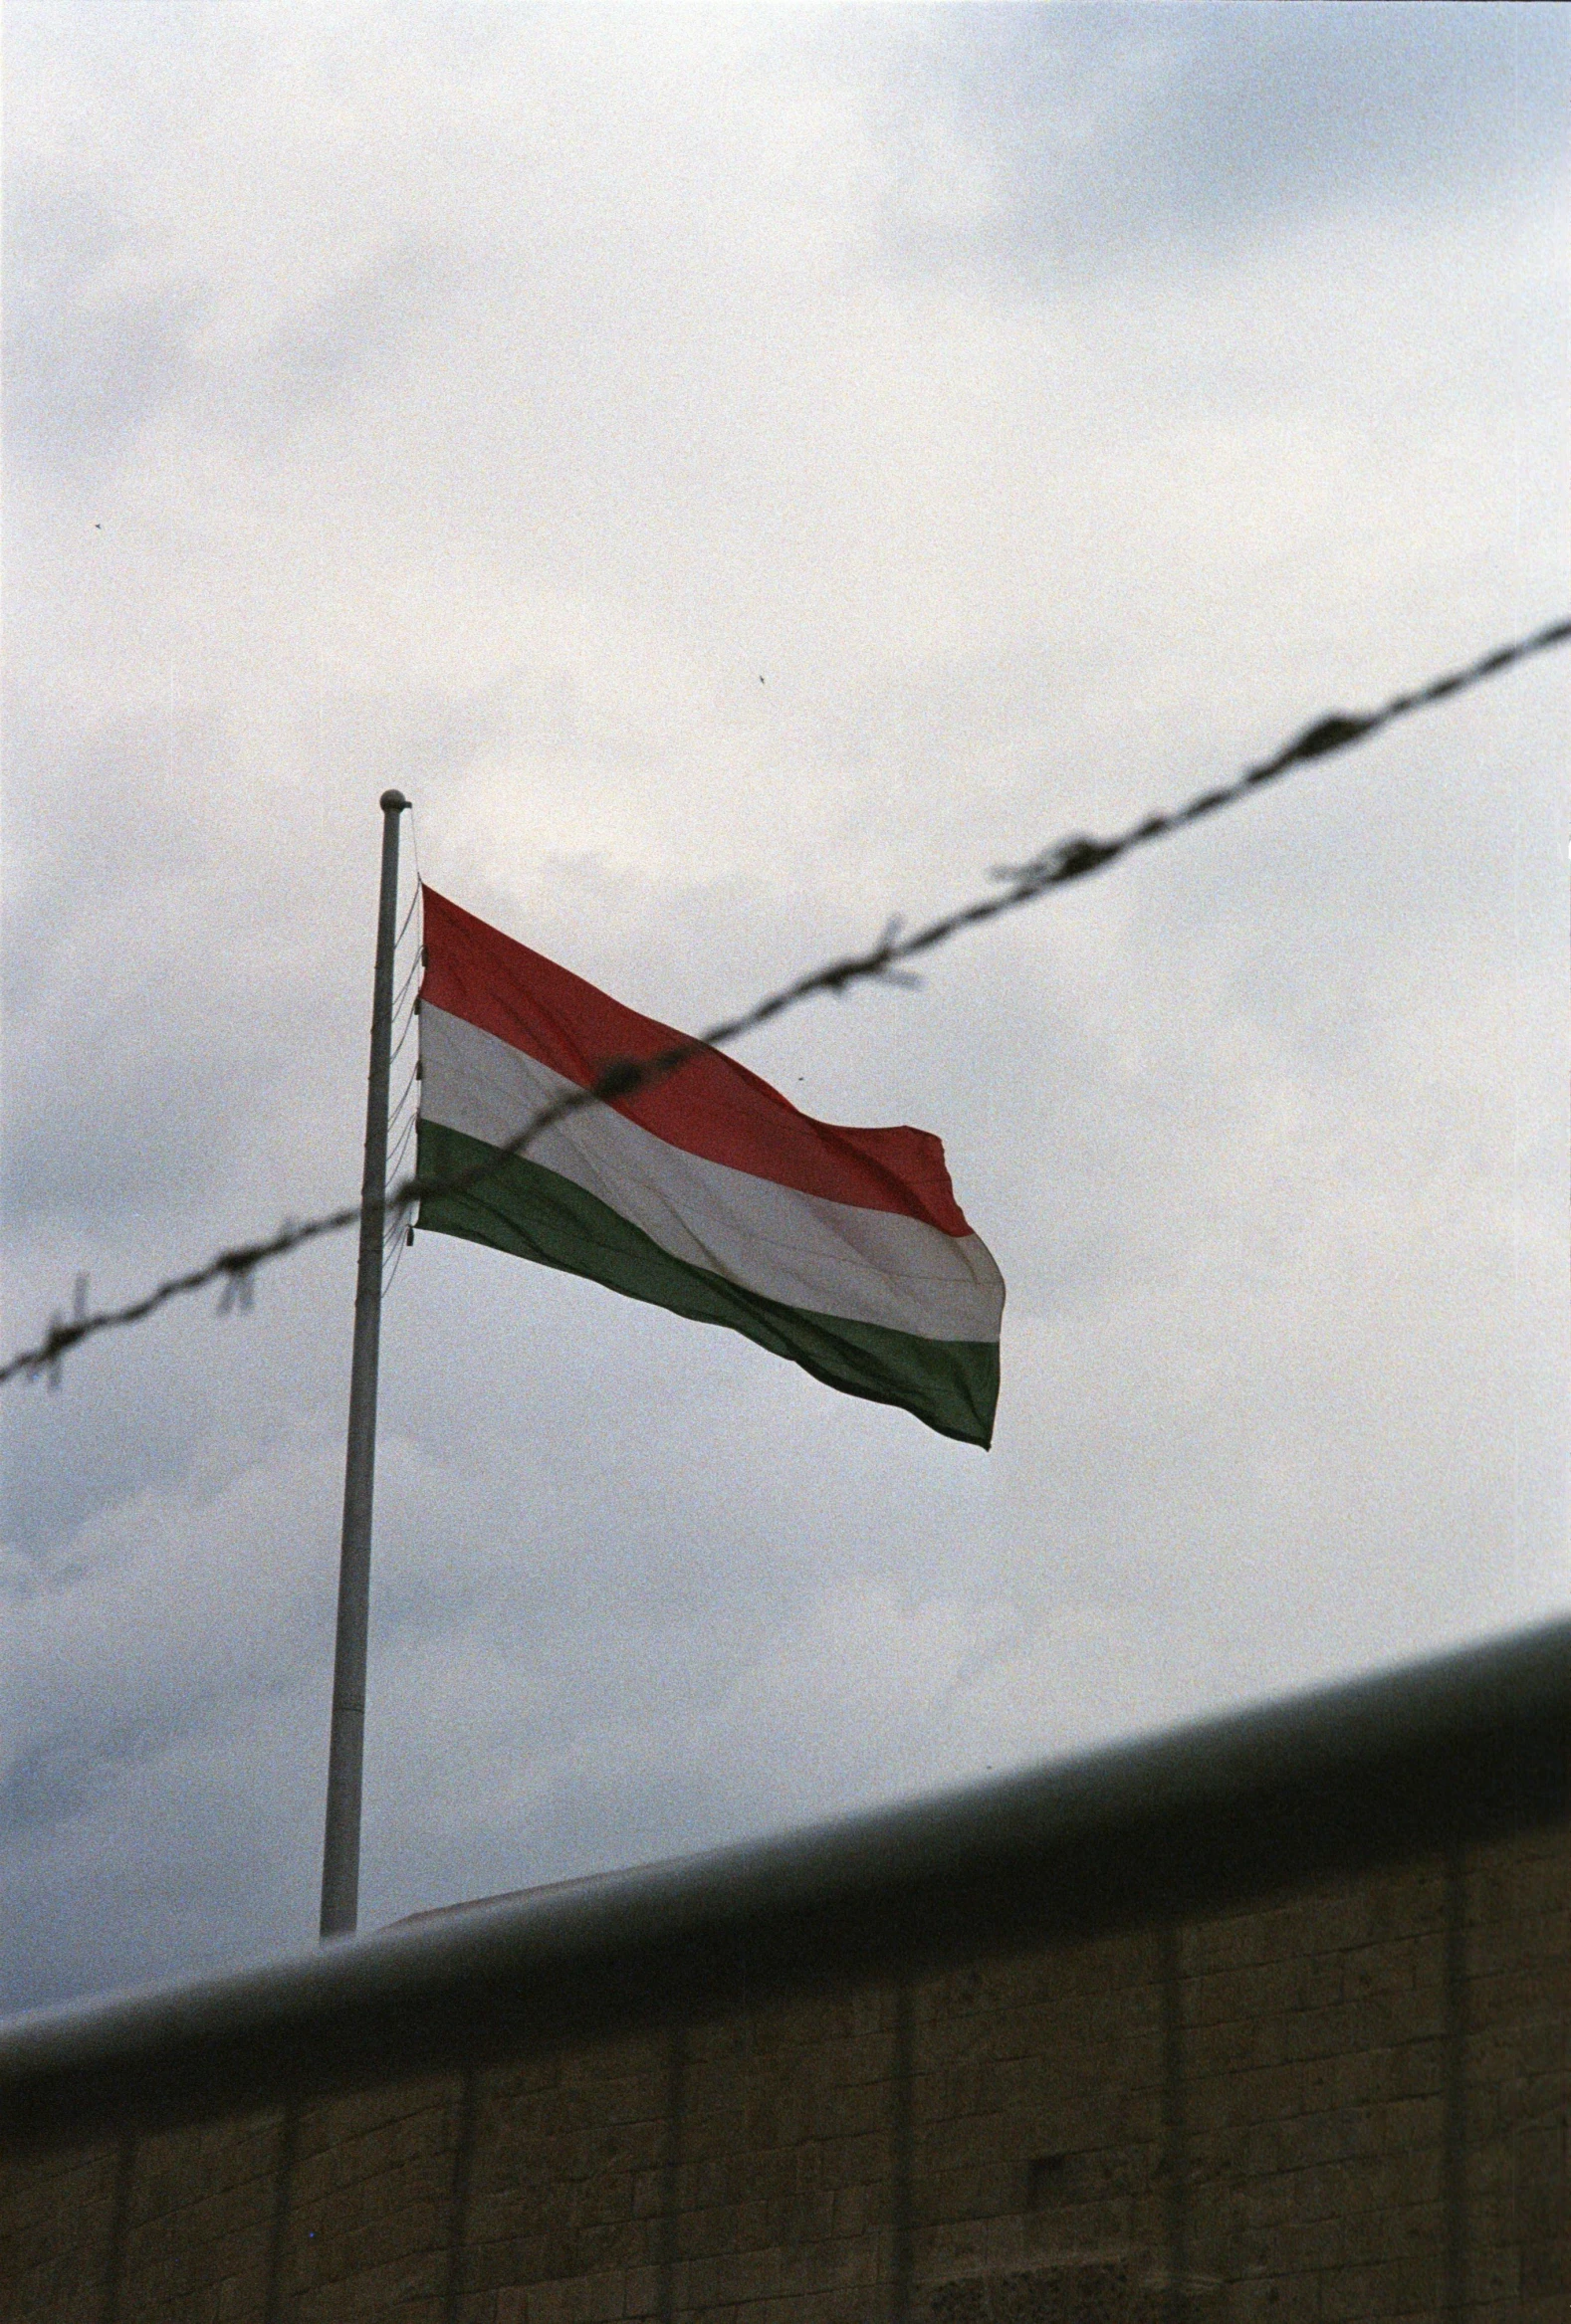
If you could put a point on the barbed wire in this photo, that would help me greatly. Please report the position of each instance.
(1058, 866)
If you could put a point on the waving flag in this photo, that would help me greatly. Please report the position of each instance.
(708, 1192)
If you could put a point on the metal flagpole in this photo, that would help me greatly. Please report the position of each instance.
(340, 1850)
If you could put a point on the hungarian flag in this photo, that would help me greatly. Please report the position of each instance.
(707, 1193)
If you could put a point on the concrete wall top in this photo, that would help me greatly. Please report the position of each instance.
(1470, 1747)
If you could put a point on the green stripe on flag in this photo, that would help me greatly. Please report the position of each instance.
(534, 1213)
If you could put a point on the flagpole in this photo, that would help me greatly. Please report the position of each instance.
(341, 1849)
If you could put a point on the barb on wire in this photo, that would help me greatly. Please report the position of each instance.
(239, 1290)
(79, 1315)
(1068, 860)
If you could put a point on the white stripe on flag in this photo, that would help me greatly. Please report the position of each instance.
(831, 1258)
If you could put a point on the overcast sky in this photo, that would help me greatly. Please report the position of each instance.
(744, 474)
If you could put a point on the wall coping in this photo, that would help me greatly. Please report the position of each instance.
(1471, 1745)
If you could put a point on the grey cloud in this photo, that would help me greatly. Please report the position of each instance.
(599, 401)
(350, 342)
(145, 1414)
(86, 363)
(137, 932)
(178, 1859)
(1086, 136)
(57, 1777)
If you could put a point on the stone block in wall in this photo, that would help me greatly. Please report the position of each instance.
(1092, 2288)
(1543, 2206)
(583, 2299)
(1073, 2291)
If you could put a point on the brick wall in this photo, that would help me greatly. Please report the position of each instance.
(1349, 2104)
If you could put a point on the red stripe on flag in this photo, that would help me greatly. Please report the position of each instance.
(714, 1106)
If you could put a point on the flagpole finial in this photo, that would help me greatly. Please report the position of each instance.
(394, 799)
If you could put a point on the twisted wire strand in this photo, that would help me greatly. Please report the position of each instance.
(403, 1037)
(1058, 866)
(417, 960)
(392, 1260)
(394, 1223)
(414, 1075)
(414, 899)
(410, 974)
